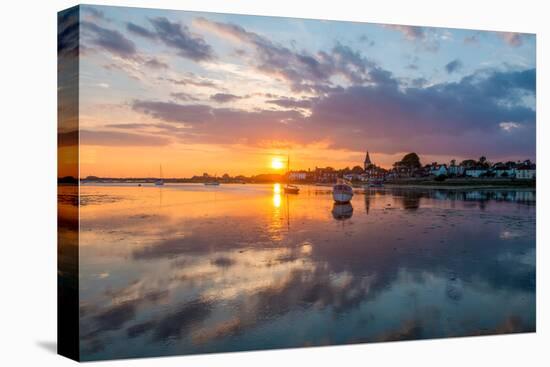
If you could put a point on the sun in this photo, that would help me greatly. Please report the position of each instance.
(277, 163)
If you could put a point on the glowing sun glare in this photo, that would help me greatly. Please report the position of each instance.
(277, 163)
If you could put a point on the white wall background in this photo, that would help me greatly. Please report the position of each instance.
(28, 179)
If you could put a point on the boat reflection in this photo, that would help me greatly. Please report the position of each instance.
(342, 211)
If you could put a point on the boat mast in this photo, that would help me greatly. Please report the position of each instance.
(287, 168)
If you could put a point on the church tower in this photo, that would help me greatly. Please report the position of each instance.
(368, 162)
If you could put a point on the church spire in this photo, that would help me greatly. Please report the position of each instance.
(367, 159)
(368, 163)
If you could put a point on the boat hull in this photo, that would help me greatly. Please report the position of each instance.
(342, 193)
(291, 190)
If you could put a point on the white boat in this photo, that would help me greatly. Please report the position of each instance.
(160, 181)
(342, 192)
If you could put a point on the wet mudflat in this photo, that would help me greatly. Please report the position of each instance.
(192, 269)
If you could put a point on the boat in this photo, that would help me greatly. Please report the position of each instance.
(342, 192)
(160, 181)
(290, 189)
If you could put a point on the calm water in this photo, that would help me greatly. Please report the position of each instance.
(193, 269)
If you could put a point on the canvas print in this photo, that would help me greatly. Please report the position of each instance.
(237, 182)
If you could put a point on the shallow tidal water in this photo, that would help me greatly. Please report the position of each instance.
(188, 268)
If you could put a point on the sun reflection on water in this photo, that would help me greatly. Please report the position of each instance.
(277, 195)
(277, 200)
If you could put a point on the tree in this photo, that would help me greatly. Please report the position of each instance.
(411, 160)
(468, 163)
(357, 170)
(483, 161)
(453, 162)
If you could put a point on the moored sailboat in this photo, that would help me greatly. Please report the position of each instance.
(342, 192)
(160, 181)
(290, 189)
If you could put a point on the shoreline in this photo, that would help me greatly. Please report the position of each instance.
(461, 187)
(426, 185)
(472, 183)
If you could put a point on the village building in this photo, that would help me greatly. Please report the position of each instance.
(325, 175)
(476, 171)
(526, 171)
(352, 176)
(372, 171)
(435, 169)
(504, 170)
(455, 170)
(399, 170)
(298, 175)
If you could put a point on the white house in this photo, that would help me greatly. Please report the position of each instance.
(456, 170)
(504, 172)
(297, 175)
(475, 171)
(438, 169)
(526, 172)
(504, 169)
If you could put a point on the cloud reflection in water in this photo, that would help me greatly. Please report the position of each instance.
(249, 268)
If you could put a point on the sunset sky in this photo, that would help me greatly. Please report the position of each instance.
(216, 93)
